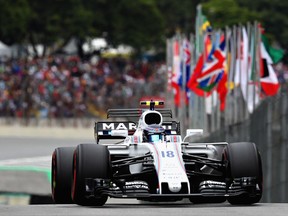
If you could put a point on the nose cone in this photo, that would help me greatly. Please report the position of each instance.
(174, 187)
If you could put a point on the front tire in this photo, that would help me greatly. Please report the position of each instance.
(62, 175)
(244, 161)
(89, 161)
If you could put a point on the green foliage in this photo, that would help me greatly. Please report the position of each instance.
(223, 13)
(179, 16)
(137, 23)
(273, 17)
(140, 23)
(271, 14)
(53, 19)
(14, 16)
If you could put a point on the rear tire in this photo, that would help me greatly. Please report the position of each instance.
(244, 160)
(62, 175)
(90, 161)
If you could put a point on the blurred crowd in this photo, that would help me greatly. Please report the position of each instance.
(69, 87)
(64, 86)
(282, 74)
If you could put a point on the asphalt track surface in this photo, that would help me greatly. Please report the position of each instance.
(29, 147)
(19, 150)
(128, 209)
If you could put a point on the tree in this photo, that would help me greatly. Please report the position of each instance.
(273, 17)
(138, 23)
(223, 13)
(57, 20)
(271, 14)
(14, 18)
(178, 16)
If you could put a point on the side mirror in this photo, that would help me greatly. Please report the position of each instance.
(122, 133)
(193, 132)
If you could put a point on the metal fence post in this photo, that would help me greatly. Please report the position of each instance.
(284, 147)
(269, 151)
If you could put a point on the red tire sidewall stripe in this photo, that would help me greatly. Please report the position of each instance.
(54, 183)
(74, 175)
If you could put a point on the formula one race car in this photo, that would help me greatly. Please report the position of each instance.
(150, 161)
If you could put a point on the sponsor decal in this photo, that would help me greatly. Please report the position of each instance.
(124, 126)
(119, 126)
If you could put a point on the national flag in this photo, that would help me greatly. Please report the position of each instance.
(275, 54)
(252, 99)
(192, 83)
(239, 51)
(244, 63)
(269, 80)
(203, 31)
(213, 69)
(207, 31)
(199, 82)
(176, 73)
(222, 86)
(206, 26)
(206, 76)
(187, 65)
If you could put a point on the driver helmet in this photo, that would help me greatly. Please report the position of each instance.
(153, 133)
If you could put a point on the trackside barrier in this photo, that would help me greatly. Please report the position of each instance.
(267, 127)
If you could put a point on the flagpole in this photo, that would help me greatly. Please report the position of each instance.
(183, 86)
(256, 67)
(225, 116)
(176, 65)
(179, 109)
(214, 37)
(236, 67)
(239, 92)
(197, 114)
(220, 118)
(202, 107)
(257, 85)
(169, 72)
(233, 74)
(242, 106)
(247, 112)
(228, 113)
(192, 65)
(252, 78)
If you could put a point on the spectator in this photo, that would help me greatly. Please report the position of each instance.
(68, 87)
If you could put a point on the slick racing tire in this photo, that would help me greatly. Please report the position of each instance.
(90, 161)
(62, 175)
(244, 160)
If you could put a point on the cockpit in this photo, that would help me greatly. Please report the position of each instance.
(153, 133)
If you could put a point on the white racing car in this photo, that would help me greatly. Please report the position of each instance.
(151, 161)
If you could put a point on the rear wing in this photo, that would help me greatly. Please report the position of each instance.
(136, 113)
(102, 130)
